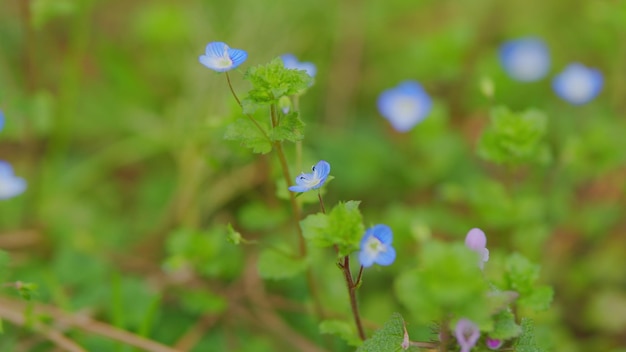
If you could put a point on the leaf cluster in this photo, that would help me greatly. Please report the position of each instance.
(514, 138)
(341, 227)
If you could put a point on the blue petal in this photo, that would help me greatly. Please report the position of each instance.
(216, 49)
(298, 189)
(404, 105)
(1, 120)
(366, 259)
(10, 185)
(5, 169)
(291, 62)
(578, 84)
(526, 59)
(383, 233)
(387, 256)
(238, 56)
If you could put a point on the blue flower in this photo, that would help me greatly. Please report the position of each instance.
(404, 105)
(10, 185)
(376, 246)
(291, 62)
(578, 84)
(477, 241)
(219, 57)
(526, 59)
(314, 180)
(1, 120)
(467, 334)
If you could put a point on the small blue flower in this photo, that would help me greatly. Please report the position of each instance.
(291, 62)
(376, 246)
(526, 59)
(467, 334)
(404, 105)
(219, 57)
(1, 120)
(578, 84)
(314, 180)
(477, 241)
(10, 185)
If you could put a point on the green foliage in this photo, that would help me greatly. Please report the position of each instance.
(447, 281)
(515, 138)
(290, 128)
(342, 227)
(249, 135)
(279, 263)
(346, 331)
(526, 342)
(270, 82)
(389, 338)
(504, 326)
(521, 276)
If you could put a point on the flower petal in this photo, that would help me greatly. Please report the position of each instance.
(578, 84)
(405, 105)
(387, 256)
(238, 56)
(525, 59)
(475, 239)
(366, 258)
(383, 233)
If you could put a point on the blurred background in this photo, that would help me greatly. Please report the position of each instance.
(117, 130)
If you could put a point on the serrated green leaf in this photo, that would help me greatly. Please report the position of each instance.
(314, 229)
(272, 81)
(504, 326)
(342, 227)
(389, 338)
(448, 281)
(521, 274)
(538, 299)
(526, 341)
(515, 138)
(290, 128)
(249, 135)
(278, 263)
(342, 329)
(346, 226)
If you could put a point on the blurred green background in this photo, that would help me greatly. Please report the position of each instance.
(118, 130)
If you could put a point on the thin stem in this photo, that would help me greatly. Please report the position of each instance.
(230, 85)
(359, 277)
(345, 267)
(319, 196)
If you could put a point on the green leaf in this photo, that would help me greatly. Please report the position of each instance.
(202, 302)
(249, 135)
(272, 81)
(389, 338)
(342, 227)
(278, 263)
(447, 282)
(342, 329)
(505, 327)
(526, 342)
(515, 138)
(521, 273)
(290, 128)
(538, 299)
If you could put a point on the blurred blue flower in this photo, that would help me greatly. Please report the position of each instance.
(10, 185)
(526, 59)
(467, 334)
(313, 180)
(376, 246)
(404, 105)
(291, 62)
(1, 120)
(578, 84)
(477, 241)
(219, 57)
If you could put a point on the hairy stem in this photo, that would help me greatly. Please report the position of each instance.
(230, 85)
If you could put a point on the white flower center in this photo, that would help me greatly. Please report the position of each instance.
(405, 109)
(577, 86)
(374, 246)
(528, 64)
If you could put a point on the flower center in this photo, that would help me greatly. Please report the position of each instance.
(374, 246)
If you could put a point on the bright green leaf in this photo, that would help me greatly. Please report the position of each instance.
(389, 338)
(249, 135)
(290, 128)
(526, 342)
(538, 299)
(505, 327)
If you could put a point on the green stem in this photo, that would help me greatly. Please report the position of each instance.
(230, 85)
